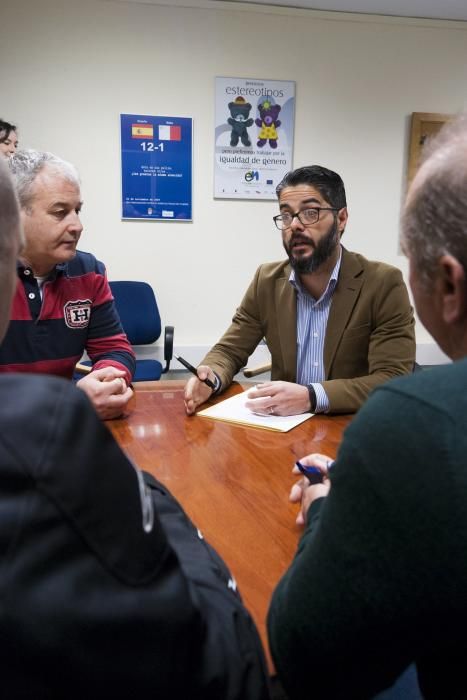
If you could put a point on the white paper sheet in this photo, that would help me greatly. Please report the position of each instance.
(233, 410)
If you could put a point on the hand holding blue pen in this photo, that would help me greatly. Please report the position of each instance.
(314, 475)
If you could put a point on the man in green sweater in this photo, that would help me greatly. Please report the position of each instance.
(379, 581)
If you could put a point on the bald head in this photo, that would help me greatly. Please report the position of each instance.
(10, 244)
(435, 216)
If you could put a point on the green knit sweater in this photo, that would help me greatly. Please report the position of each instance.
(379, 580)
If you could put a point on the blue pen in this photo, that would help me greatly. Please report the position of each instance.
(313, 474)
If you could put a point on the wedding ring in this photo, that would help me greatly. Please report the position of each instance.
(271, 410)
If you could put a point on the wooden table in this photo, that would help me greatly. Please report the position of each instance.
(233, 481)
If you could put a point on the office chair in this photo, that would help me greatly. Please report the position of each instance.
(257, 369)
(137, 307)
(139, 314)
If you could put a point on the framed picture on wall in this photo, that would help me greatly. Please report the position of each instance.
(424, 126)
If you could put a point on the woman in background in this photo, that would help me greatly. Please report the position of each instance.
(8, 138)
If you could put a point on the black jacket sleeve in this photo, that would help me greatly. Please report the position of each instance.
(101, 593)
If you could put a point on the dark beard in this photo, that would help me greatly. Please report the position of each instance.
(321, 253)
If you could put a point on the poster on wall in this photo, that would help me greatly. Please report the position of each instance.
(254, 127)
(157, 163)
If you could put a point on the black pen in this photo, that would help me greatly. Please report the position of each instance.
(193, 370)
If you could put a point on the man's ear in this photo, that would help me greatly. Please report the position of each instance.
(452, 289)
(342, 216)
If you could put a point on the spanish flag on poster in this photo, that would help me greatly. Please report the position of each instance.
(169, 132)
(142, 131)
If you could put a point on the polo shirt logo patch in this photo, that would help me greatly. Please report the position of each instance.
(77, 314)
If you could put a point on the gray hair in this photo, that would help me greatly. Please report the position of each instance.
(26, 165)
(434, 221)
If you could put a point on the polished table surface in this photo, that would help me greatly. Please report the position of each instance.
(233, 481)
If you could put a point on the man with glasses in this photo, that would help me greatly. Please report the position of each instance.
(337, 325)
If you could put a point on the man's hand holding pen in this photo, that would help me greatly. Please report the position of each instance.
(304, 492)
(196, 389)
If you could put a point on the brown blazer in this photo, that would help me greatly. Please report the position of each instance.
(370, 333)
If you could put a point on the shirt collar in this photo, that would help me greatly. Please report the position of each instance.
(58, 269)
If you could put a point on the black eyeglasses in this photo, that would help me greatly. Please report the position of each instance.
(305, 216)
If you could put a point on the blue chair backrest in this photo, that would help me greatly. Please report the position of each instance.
(137, 307)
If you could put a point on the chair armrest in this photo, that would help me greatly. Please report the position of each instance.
(258, 369)
(168, 347)
(81, 368)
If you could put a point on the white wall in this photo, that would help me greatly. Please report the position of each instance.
(69, 69)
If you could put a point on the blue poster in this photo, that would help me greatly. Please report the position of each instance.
(156, 167)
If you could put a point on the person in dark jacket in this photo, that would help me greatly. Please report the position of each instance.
(378, 584)
(107, 589)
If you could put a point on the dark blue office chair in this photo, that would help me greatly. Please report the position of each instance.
(137, 307)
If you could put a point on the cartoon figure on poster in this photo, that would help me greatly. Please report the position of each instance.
(268, 123)
(239, 110)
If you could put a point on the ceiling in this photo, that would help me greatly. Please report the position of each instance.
(432, 9)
